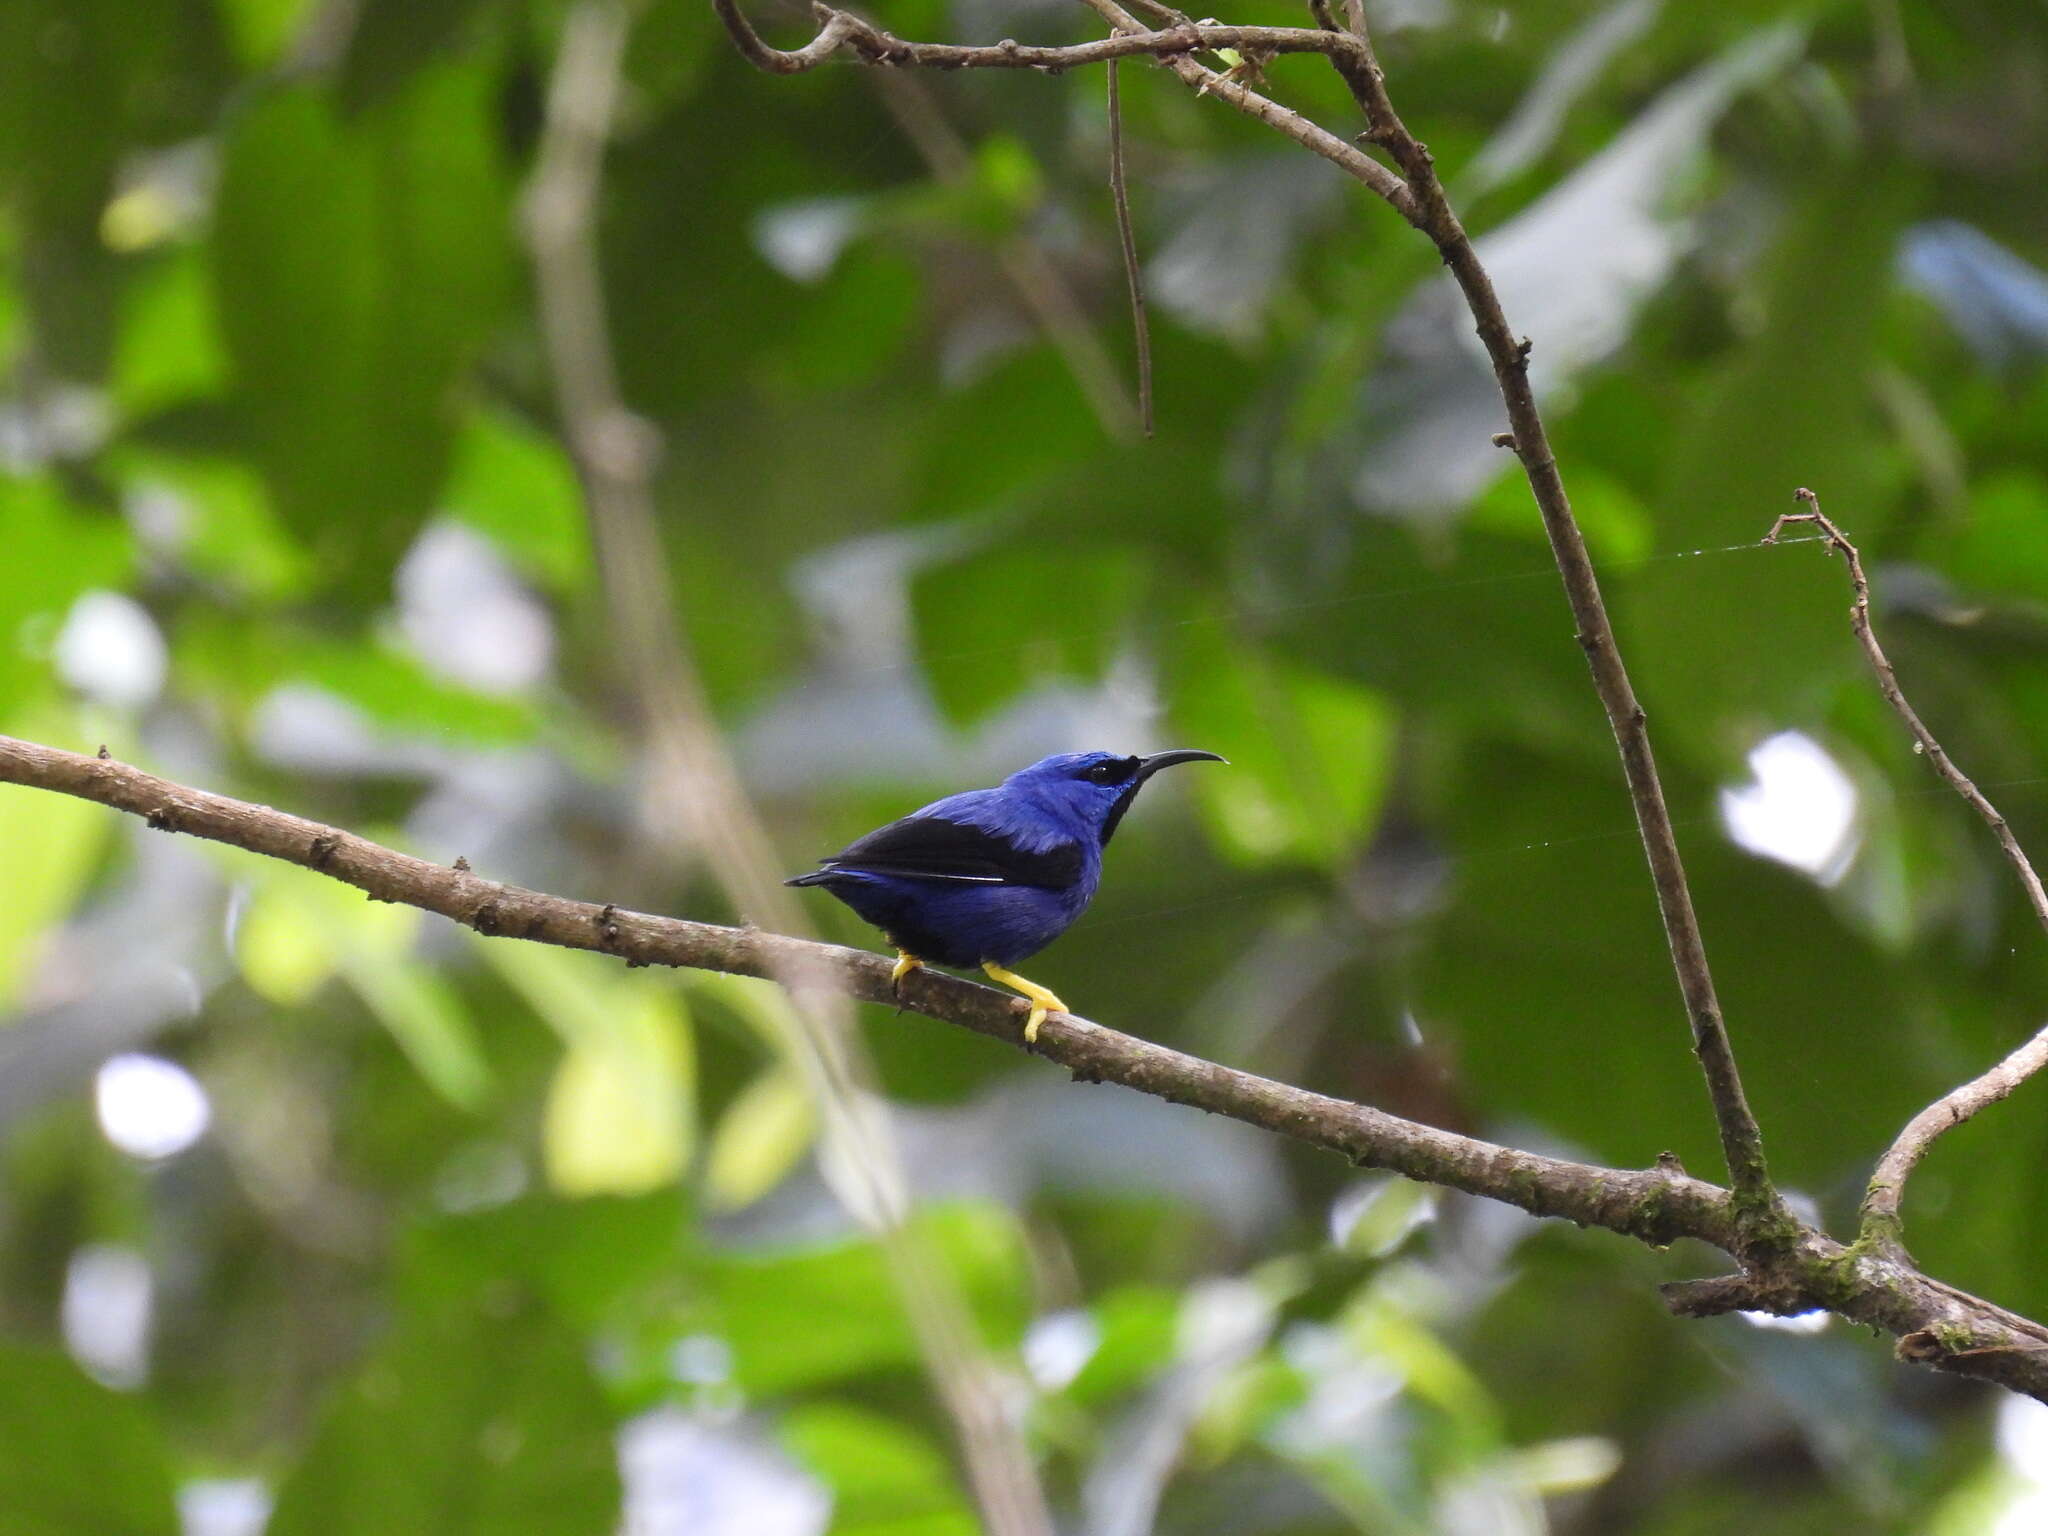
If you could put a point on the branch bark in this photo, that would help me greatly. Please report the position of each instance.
(1881, 1223)
(1936, 1324)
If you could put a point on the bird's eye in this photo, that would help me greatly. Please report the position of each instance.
(1114, 771)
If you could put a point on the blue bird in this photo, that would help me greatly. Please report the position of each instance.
(990, 877)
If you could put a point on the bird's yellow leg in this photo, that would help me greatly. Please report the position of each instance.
(1042, 1001)
(906, 962)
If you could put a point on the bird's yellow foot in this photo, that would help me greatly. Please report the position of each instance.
(1042, 1001)
(906, 962)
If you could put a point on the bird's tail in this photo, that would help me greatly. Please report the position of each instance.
(815, 877)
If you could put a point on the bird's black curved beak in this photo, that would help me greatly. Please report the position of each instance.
(1147, 766)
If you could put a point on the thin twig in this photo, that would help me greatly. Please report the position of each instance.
(1888, 1182)
(1141, 329)
(1962, 1333)
(1255, 42)
(840, 31)
(843, 30)
(1887, 1188)
(1888, 685)
(1038, 283)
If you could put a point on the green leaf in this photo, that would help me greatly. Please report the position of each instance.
(55, 551)
(226, 530)
(516, 485)
(1732, 646)
(59, 839)
(853, 1321)
(169, 349)
(1000, 622)
(390, 685)
(886, 1479)
(1004, 166)
(768, 1126)
(282, 947)
(619, 1112)
(761, 1005)
(970, 470)
(393, 38)
(1310, 755)
(79, 1458)
(1136, 1327)
(261, 29)
(1617, 526)
(430, 1022)
(300, 930)
(587, 1258)
(2002, 546)
(858, 321)
(1403, 613)
(357, 265)
(481, 1418)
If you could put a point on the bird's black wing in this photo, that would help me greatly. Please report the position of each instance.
(932, 848)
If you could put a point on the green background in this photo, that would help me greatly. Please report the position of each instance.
(471, 1217)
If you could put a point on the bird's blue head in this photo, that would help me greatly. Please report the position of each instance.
(1095, 788)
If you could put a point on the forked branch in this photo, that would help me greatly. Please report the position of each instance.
(1888, 1182)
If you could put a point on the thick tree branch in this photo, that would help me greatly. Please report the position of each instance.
(1888, 1182)
(1657, 1205)
(1936, 1324)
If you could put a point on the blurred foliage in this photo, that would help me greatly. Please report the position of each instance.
(480, 1236)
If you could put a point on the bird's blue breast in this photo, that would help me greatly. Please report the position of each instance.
(963, 925)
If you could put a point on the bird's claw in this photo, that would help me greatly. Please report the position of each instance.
(1042, 1001)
